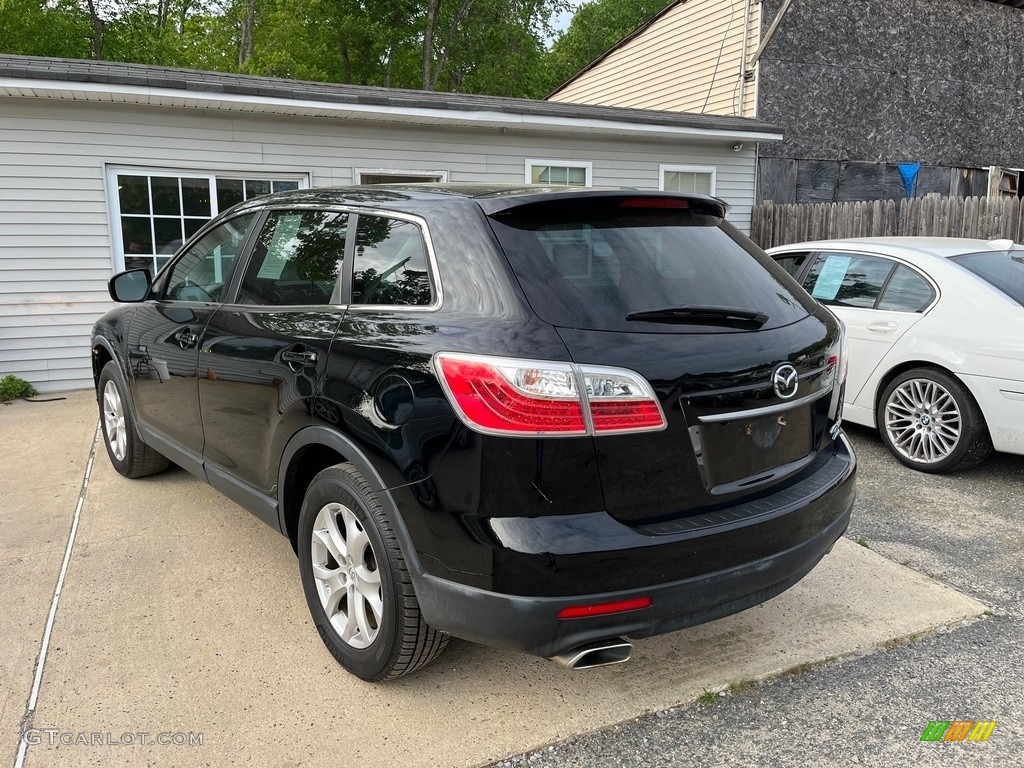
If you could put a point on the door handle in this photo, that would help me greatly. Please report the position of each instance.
(298, 359)
(185, 338)
(883, 328)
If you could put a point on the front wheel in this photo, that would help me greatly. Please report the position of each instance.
(130, 456)
(930, 422)
(356, 581)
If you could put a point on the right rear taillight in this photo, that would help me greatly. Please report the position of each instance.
(531, 398)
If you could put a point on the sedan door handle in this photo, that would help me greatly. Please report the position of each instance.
(300, 359)
(185, 338)
(883, 328)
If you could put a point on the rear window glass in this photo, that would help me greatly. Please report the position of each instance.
(588, 263)
(1003, 270)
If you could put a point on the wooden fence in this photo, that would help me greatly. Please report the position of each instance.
(988, 218)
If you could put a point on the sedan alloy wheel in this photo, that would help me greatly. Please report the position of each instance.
(923, 421)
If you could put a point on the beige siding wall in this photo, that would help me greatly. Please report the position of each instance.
(688, 61)
(56, 247)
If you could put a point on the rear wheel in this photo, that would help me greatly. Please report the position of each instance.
(130, 456)
(929, 421)
(356, 582)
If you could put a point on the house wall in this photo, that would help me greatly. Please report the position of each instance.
(56, 248)
(865, 84)
(689, 60)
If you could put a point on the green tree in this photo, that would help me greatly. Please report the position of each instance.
(42, 28)
(595, 28)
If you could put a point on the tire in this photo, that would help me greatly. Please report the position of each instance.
(345, 543)
(130, 456)
(931, 422)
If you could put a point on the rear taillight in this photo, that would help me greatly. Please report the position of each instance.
(505, 396)
(835, 377)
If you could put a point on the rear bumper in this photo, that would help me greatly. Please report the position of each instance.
(530, 623)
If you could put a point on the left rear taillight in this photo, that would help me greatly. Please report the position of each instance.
(540, 398)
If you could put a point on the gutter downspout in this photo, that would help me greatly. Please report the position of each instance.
(743, 57)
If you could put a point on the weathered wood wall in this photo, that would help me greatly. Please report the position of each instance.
(988, 218)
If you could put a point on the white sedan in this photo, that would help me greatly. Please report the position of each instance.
(935, 328)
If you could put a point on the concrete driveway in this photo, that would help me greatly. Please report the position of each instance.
(180, 620)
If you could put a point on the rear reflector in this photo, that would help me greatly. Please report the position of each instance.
(539, 398)
(603, 609)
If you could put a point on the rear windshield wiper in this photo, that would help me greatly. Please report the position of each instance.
(737, 318)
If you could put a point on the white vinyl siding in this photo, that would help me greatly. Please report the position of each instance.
(689, 60)
(58, 242)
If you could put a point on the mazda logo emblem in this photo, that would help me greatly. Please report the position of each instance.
(785, 381)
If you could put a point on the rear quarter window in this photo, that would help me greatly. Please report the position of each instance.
(590, 262)
(1003, 270)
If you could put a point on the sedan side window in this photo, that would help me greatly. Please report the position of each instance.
(297, 260)
(792, 262)
(390, 263)
(907, 291)
(201, 273)
(848, 279)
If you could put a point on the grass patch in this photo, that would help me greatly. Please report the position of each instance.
(706, 698)
(864, 542)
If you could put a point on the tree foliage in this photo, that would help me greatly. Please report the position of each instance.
(470, 46)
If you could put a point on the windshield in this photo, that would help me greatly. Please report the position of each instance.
(635, 264)
(1003, 270)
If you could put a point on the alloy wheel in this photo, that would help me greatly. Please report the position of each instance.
(346, 575)
(923, 421)
(113, 421)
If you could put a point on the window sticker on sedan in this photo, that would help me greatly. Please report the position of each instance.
(831, 277)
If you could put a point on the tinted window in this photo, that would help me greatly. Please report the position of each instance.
(296, 260)
(792, 262)
(390, 264)
(1003, 270)
(907, 291)
(205, 268)
(847, 279)
(589, 264)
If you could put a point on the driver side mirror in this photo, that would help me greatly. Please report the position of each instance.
(131, 286)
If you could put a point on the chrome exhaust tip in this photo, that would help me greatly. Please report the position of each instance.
(602, 653)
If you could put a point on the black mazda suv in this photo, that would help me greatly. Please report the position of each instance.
(542, 419)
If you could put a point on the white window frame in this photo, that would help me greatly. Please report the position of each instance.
(112, 171)
(586, 165)
(358, 173)
(671, 168)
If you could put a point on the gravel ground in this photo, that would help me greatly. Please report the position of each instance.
(966, 530)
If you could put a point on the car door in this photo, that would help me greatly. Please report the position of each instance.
(264, 353)
(878, 298)
(163, 340)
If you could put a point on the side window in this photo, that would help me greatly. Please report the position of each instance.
(848, 279)
(907, 291)
(792, 262)
(390, 264)
(296, 260)
(204, 269)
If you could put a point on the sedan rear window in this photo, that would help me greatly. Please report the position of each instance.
(1003, 270)
(632, 264)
